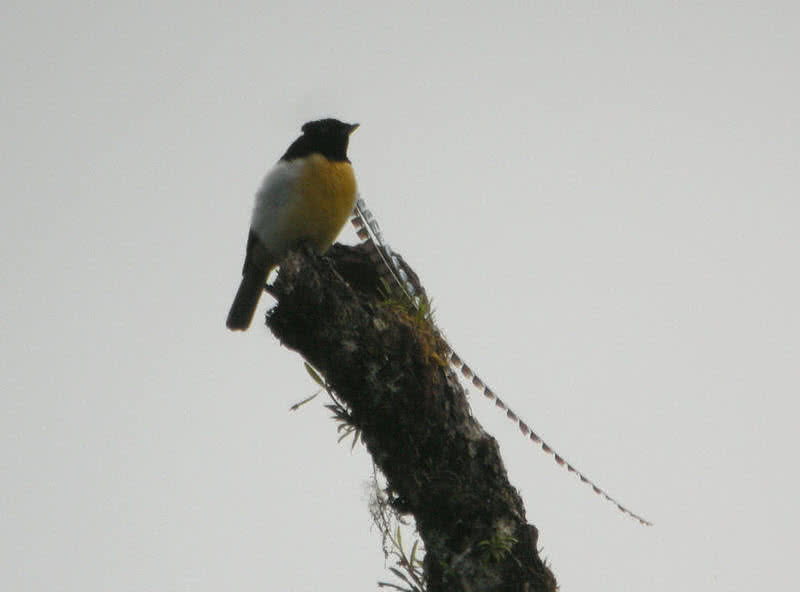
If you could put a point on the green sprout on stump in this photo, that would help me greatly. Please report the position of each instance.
(496, 548)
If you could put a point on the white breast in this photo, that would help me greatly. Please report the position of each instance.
(274, 200)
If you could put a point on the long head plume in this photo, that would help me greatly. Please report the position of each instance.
(369, 231)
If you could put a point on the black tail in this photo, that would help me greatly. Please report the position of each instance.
(246, 300)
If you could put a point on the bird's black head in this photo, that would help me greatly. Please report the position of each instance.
(328, 137)
(329, 127)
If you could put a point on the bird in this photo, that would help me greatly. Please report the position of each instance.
(307, 196)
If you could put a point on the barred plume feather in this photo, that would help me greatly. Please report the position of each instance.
(369, 231)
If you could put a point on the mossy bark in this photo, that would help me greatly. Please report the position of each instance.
(441, 466)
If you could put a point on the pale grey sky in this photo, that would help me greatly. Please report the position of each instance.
(603, 203)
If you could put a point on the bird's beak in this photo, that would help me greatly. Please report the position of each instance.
(353, 127)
